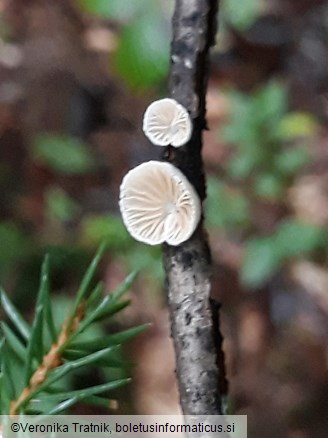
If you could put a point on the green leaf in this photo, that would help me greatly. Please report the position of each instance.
(291, 160)
(60, 206)
(242, 128)
(254, 120)
(95, 229)
(39, 406)
(63, 406)
(4, 396)
(35, 348)
(260, 262)
(63, 154)
(124, 286)
(68, 367)
(44, 297)
(270, 105)
(3, 402)
(241, 14)
(35, 344)
(241, 165)
(225, 207)
(8, 385)
(14, 245)
(106, 308)
(268, 186)
(106, 341)
(88, 392)
(85, 395)
(296, 238)
(86, 281)
(65, 369)
(115, 9)
(111, 309)
(95, 295)
(13, 342)
(297, 124)
(111, 360)
(149, 263)
(142, 57)
(98, 401)
(15, 317)
(264, 256)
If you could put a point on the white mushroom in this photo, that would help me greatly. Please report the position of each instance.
(158, 204)
(166, 122)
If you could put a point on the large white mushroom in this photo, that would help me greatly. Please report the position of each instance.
(166, 122)
(158, 204)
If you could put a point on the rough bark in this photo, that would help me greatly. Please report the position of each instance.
(197, 340)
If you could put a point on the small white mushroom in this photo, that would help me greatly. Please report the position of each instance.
(158, 204)
(166, 122)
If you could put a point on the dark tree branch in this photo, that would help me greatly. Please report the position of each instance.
(195, 327)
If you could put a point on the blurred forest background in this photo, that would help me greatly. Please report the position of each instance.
(75, 79)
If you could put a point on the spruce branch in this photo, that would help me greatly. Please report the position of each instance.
(46, 354)
(49, 362)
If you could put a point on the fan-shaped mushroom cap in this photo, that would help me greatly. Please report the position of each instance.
(158, 204)
(167, 122)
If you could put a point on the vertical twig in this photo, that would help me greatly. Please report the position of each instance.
(195, 333)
